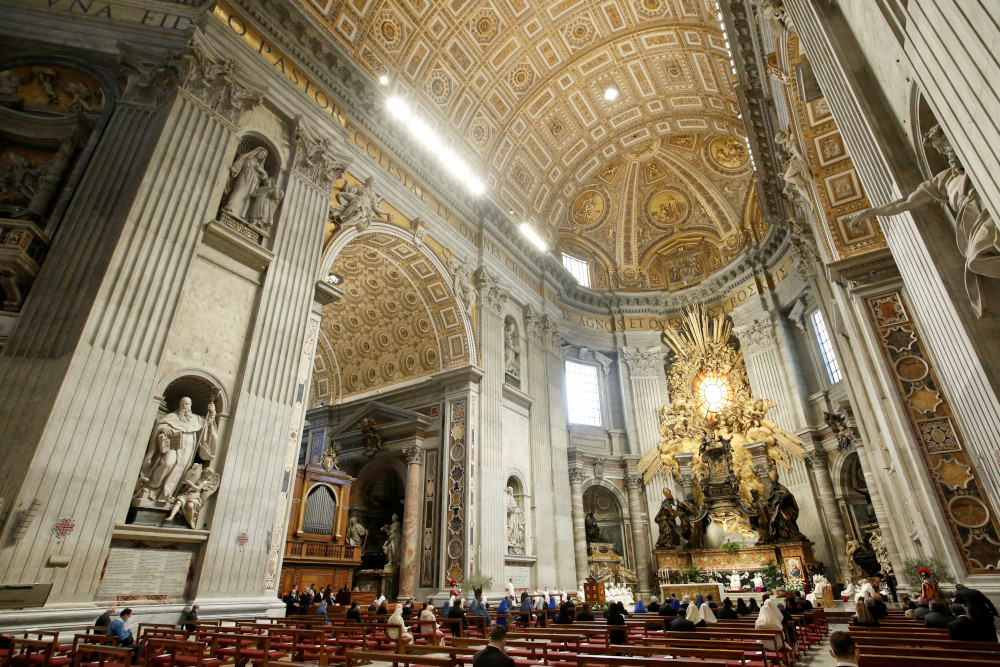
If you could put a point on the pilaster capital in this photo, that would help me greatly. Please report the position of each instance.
(492, 292)
(315, 159)
(414, 454)
(576, 475)
(633, 480)
(756, 336)
(816, 458)
(149, 82)
(643, 361)
(542, 329)
(215, 80)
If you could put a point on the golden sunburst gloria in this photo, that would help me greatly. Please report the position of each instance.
(712, 392)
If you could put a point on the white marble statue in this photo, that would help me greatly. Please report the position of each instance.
(797, 177)
(515, 523)
(177, 437)
(511, 350)
(393, 542)
(357, 534)
(263, 202)
(580, 597)
(975, 229)
(245, 176)
(463, 284)
(195, 488)
(358, 206)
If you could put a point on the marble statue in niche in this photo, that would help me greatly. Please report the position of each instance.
(975, 229)
(463, 283)
(263, 202)
(169, 471)
(878, 545)
(784, 512)
(393, 543)
(357, 534)
(515, 523)
(358, 206)
(245, 178)
(511, 350)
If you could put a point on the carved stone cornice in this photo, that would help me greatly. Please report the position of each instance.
(575, 475)
(643, 361)
(315, 159)
(215, 80)
(493, 294)
(542, 330)
(756, 336)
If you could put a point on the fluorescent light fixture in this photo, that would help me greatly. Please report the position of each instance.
(611, 93)
(533, 236)
(426, 135)
(510, 211)
(384, 80)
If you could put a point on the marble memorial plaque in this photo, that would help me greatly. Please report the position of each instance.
(521, 574)
(141, 573)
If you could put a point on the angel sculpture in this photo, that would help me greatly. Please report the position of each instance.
(358, 206)
(196, 486)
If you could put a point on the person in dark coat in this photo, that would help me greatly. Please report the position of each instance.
(493, 654)
(354, 613)
(566, 610)
(681, 624)
(190, 618)
(653, 607)
(727, 613)
(616, 616)
(104, 620)
(922, 609)
(979, 608)
(584, 614)
(939, 616)
(753, 607)
(965, 629)
(878, 607)
(458, 611)
(741, 607)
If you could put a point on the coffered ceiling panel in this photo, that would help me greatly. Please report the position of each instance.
(519, 88)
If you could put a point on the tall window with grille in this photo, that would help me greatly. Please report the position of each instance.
(579, 268)
(583, 394)
(826, 348)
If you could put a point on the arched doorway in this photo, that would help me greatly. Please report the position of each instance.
(377, 505)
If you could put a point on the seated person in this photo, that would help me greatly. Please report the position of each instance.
(921, 609)
(727, 613)
(741, 607)
(939, 616)
(104, 620)
(653, 607)
(863, 617)
(681, 624)
(122, 634)
(354, 613)
(382, 612)
(584, 614)
(711, 603)
(429, 626)
(458, 611)
(693, 614)
(843, 649)
(639, 608)
(878, 606)
(479, 609)
(566, 610)
(494, 653)
(395, 627)
(965, 629)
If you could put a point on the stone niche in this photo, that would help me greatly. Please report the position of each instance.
(178, 475)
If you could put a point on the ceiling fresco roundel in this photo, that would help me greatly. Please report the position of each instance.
(657, 175)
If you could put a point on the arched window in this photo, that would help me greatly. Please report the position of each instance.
(321, 510)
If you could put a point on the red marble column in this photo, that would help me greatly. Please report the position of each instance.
(411, 521)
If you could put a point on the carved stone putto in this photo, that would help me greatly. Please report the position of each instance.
(315, 158)
(462, 282)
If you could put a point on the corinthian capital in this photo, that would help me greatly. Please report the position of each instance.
(643, 361)
(756, 336)
(633, 480)
(150, 81)
(575, 475)
(216, 81)
(492, 292)
(414, 454)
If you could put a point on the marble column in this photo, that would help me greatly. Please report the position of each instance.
(579, 531)
(818, 462)
(411, 520)
(633, 485)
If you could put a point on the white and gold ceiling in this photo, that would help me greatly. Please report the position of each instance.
(654, 188)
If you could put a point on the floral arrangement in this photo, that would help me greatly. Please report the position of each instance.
(794, 586)
(731, 548)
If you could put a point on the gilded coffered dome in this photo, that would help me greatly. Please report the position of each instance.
(653, 185)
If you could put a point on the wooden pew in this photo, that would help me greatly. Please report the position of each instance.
(729, 655)
(943, 653)
(907, 661)
(629, 661)
(352, 658)
(98, 655)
